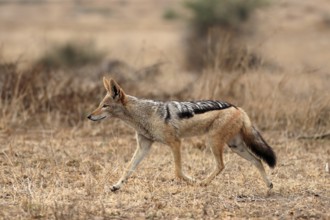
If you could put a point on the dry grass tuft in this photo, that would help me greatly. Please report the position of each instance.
(53, 98)
(38, 96)
(294, 103)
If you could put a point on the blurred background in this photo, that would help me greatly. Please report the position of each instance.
(270, 57)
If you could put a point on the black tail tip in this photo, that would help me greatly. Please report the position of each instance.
(271, 159)
(272, 164)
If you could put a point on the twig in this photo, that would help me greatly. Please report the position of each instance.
(315, 136)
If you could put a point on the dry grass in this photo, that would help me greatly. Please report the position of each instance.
(54, 164)
(294, 103)
(61, 176)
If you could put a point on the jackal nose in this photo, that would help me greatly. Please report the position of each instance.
(89, 116)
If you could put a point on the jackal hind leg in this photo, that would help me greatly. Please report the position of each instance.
(176, 150)
(241, 150)
(217, 147)
(143, 147)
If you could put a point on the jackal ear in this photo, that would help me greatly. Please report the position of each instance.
(106, 84)
(116, 91)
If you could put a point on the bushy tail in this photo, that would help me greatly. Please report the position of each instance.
(256, 143)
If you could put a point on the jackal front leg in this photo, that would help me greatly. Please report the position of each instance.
(143, 147)
(176, 150)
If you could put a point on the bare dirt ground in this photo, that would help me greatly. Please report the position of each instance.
(51, 171)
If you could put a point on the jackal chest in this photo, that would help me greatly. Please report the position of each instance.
(151, 131)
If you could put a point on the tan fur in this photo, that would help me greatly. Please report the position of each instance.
(221, 127)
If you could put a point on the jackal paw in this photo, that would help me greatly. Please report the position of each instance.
(188, 179)
(204, 183)
(114, 188)
(270, 186)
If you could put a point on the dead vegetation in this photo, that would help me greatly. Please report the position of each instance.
(61, 97)
(53, 176)
(215, 36)
(54, 164)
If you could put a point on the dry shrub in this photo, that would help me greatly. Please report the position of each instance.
(293, 103)
(53, 98)
(40, 96)
(215, 34)
(45, 94)
(221, 13)
(220, 49)
(71, 55)
(278, 101)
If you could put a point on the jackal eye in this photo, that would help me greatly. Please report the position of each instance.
(105, 106)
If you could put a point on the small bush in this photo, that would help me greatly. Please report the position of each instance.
(170, 14)
(32, 95)
(227, 14)
(214, 39)
(71, 55)
(56, 97)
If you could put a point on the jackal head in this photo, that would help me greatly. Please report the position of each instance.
(113, 104)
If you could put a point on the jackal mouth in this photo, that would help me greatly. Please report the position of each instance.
(96, 119)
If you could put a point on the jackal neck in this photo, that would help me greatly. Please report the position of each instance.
(139, 113)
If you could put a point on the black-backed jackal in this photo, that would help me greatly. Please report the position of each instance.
(167, 122)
